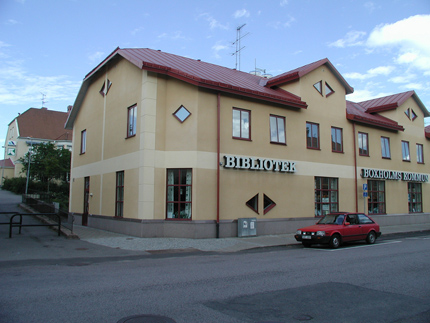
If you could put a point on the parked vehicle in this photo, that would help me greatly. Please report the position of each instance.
(336, 228)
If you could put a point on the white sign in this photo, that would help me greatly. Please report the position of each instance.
(11, 151)
(393, 175)
(11, 143)
(250, 163)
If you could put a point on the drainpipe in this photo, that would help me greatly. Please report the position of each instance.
(355, 168)
(218, 162)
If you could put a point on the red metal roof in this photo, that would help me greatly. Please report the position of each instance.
(204, 75)
(297, 73)
(427, 132)
(386, 103)
(356, 112)
(43, 124)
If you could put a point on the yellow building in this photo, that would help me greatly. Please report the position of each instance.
(170, 146)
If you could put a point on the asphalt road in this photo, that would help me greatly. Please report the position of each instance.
(385, 282)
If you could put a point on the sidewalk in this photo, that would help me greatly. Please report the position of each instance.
(119, 241)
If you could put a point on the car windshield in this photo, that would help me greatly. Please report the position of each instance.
(332, 219)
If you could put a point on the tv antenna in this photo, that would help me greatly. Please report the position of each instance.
(43, 99)
(238, 45)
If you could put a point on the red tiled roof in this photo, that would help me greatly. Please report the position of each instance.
(204, 75)
(356, 112)
(7, 163)
(43, 124)
(297, 73)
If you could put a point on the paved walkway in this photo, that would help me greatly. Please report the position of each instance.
(9, 201)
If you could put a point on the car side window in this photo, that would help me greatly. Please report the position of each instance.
(363, 219)
(352, 219)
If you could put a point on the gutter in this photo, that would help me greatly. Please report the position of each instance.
(218, 130)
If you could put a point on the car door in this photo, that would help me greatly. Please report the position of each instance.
(366, 224)
(353, 230)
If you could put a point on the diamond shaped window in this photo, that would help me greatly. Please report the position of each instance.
(182, 113)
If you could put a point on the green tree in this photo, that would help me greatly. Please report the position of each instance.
(47, 163)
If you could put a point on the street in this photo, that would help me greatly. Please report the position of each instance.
(385, 282)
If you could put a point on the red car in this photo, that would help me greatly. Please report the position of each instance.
(336, 228)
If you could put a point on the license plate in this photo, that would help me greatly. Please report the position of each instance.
(306, 237)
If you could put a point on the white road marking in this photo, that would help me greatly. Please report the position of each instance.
(353, 247)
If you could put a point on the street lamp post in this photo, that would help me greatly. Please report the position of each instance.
(28, 166)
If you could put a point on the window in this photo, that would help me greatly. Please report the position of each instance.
(385, 147)
(131, 121)
(268, 204)
(411, 114)
(179, 184)
(182, 113)
(83, 141)
(241, 124)
(336, 140)
(420, 155)
(326, 195)
(312, 135)
(405, 151)
(363, 144)
(415, 199)
(105, 88)
(376, 201)
(253, 203)
(277, 129)
(328, 90)
(318, 87)
(119, 196)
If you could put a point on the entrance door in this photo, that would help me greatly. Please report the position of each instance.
(86, 201)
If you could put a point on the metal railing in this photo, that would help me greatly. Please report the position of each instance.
(20, 224)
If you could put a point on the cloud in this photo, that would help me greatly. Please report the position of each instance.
(410, 37)
(241, 13)
(282, 24)
(370, 6)
(218, 47)
(283, 3)
(352, 38)
(17, 86)
(213, 23)
(96, 57)
(373, 72)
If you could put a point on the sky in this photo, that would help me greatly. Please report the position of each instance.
(48, 46)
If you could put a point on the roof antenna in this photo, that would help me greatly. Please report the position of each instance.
(238, 45)
(43, 99)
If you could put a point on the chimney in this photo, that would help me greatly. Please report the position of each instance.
(69, 108)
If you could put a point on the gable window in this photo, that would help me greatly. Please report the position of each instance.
(83, 141)
(405, 151)
(277, 129)
(253, 203)
(385, 147)
(179, 184)
(420, 155)
(411, 114)
(119, 196)
(328, 90)
(105, 88)
(182, 113)
(336, 140)
(131, 121)
(241, 124)
(326, 195)
(318, 87)
(363, 144)
(312, 135)
(415, 197)
(376, 201)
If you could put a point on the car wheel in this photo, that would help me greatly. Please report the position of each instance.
(371, 237)
(306, 244)
(335, 241)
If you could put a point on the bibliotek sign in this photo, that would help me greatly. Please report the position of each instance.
(257, 164)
